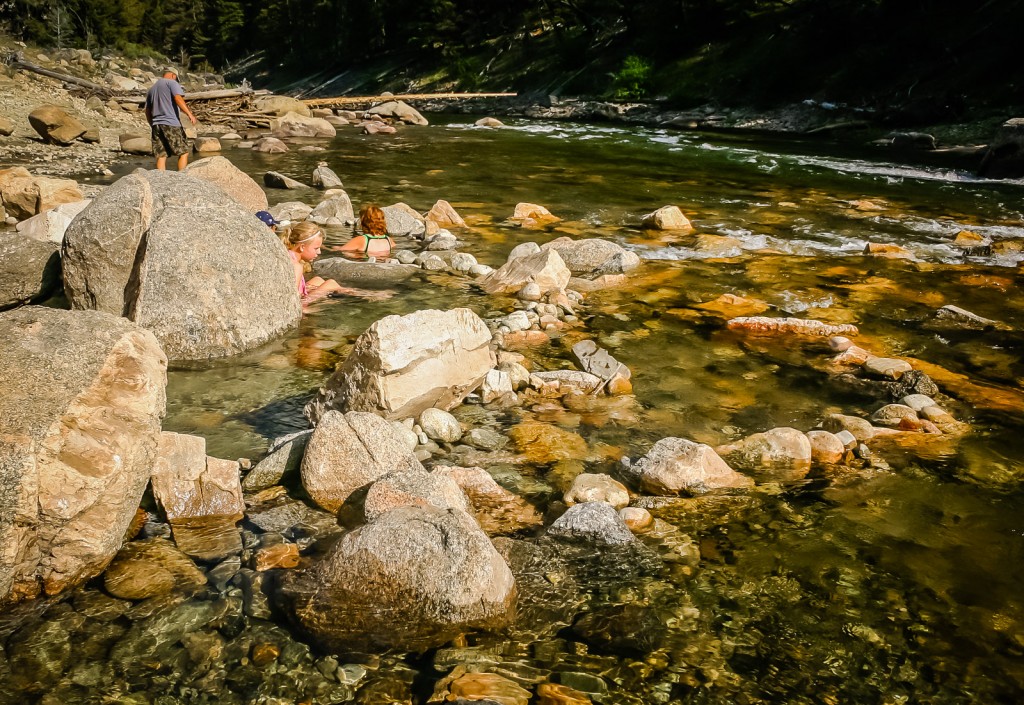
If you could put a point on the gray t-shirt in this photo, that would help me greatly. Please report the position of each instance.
(160, 101)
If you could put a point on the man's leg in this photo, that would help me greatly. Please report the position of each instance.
(161, 163)
(182, 161)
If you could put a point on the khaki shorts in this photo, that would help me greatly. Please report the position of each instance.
(169, 140)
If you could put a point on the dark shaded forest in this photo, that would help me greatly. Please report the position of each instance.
(939, 53)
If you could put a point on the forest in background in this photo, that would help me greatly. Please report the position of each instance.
(927, 55)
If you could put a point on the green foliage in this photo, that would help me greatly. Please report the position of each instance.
(633, 80)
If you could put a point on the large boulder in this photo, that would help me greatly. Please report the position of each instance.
(24, 195)
(280, 105)
(348, 452)
(399, 110)
(29, 269)
(546, 269)
(593, 256)
(415, 489)
(232, 180)
(81, 402)
(1005, 156)
(414, 578)
(373, 275)
(402, 365)
(293, 124)
(180, 257)
(402, 219)
(680, 466)
(55, 126)
(336, 210)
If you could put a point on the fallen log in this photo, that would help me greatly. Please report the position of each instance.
(358, 100)
(67, 78)
(203, 95)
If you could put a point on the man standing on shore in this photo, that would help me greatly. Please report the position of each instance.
(163, 102)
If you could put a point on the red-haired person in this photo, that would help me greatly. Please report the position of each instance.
(373, 241)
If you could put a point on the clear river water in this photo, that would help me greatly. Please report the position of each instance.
(898, 583)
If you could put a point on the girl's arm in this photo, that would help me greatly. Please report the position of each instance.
(356, 244)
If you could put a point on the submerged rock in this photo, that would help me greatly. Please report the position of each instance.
(402, 365)
(143, 249)
(677, 465)
(81, 401)
(781, 453)
(796, 326)
(496, 509)
(414, 578)
(597, 487)
(957, 317)
(592, 521)
(151, 567)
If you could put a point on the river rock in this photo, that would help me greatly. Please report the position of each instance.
(378, 128)
(444, 215)
(794, 326)
(593, 256)
(487, 689)
(325, 178)
(6, 127)
(402, 365)
(403, 220)
(200, 496)
(637, 519)
(781, 453)
(599, 362)
(597, 487)
(595, 522)
(546, 269)
(463, 262)
(1005, 156)
(678, 466)
(888, 249)
(962, 318)
(497, 383)
(518, 375)
(290, 210)
(892, 415)
(336, 210)
(370, 275)
(52, 224)
(861, 429)
(283, 457)
(496, 509)
(826, 448)
(132, 143)
(280, 105)
(442, 241)
(412, 579)
(292, 124)
(544, 443)
(407, 488)
(275, 179)
(23, 195)
(269, 145)
(912, 382)
(489, 122)
(399, 110)
(55, 126)
(566, 380)
(667, 218)
(439, 425)
(232, 180)
(348, 452)
(205, 144)
(530, 214)
(81, 401)
(889, 368)
(523, 249)
(142, 249)
(29, 269)
(144, 569)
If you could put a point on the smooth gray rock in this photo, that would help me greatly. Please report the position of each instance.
(680, 466)
(275, 179)
(284, 456)
(413, 489)
(336, 210)
(593, 256)
(363, 274)
(325, 178)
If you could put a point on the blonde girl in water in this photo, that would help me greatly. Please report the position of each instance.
(303, 241)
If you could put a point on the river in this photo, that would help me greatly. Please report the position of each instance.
(892, 584)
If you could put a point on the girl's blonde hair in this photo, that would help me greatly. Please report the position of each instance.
(295, 235)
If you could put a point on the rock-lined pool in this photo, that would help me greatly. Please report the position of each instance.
(895, 582)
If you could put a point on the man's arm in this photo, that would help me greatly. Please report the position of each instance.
(180, 102)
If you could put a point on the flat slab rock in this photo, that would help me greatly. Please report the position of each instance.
(796, 326)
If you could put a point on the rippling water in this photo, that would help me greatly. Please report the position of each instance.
(888, 586)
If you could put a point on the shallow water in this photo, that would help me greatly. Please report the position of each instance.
(884, 586)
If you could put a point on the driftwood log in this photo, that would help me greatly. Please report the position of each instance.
(361, 100)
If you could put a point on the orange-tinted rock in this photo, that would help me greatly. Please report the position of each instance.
(283, 555)
(264, 653)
